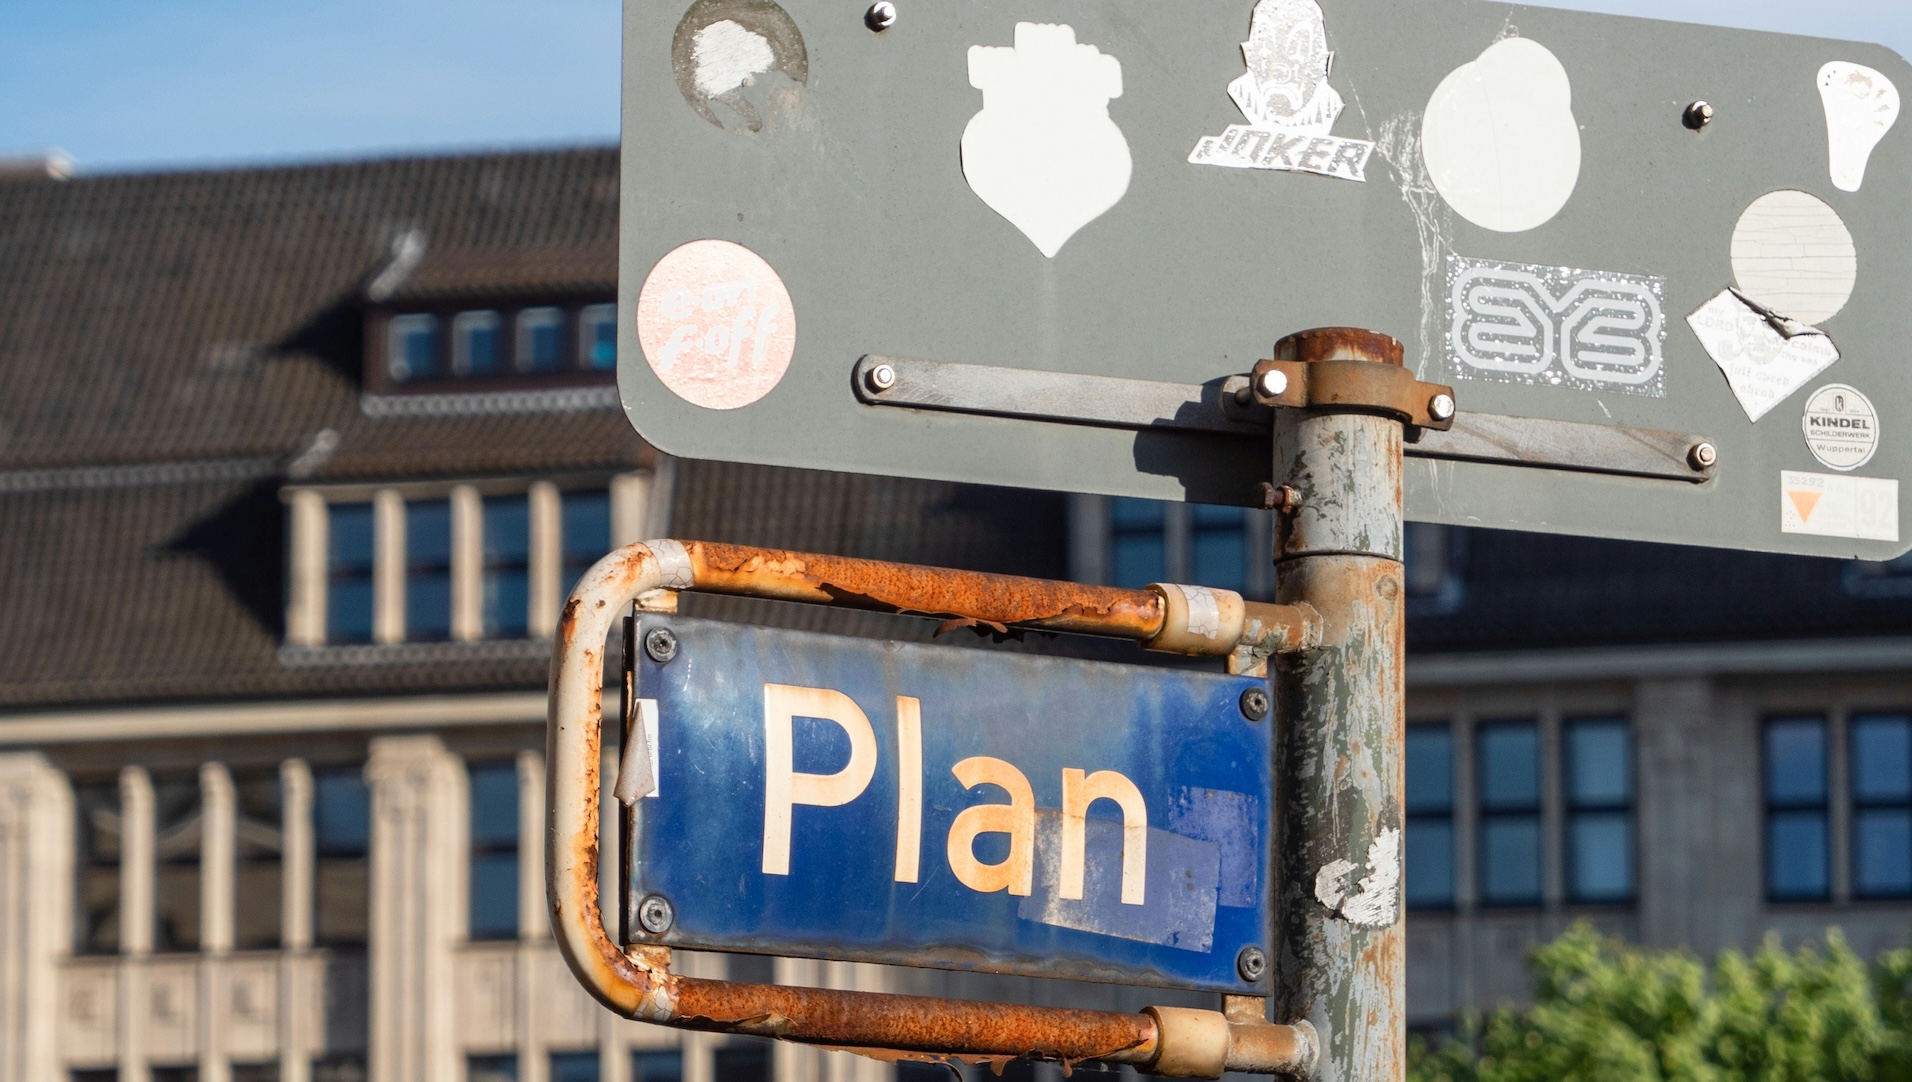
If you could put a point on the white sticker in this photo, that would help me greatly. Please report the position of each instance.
(1500, 139)
(1838, 505)
(1043, 152)
(1285, 95)
(1763, 365)
(1793, 254)
(1861, 106)
(1841, 427)
(1522, 323)
(716, 324)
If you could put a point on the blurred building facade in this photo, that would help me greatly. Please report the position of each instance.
(296, 465)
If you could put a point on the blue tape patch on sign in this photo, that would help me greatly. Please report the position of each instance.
(828, 797)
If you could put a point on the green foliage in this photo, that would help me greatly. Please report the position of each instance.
(1605, 1011)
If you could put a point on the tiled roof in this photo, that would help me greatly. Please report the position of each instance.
(181, 316)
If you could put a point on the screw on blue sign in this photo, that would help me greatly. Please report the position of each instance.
(817, 796)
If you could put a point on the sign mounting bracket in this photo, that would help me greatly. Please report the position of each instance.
(1231, 407)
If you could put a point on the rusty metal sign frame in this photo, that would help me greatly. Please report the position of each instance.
(638, 983)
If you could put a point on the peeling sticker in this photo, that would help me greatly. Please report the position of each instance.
(1515, 95)
(721, 51)
(1204, 611)
(1043, 152)
(1841, 427)
(1764, 364)
(637, 772)
(1522, 323)
(1375, 901)
(1182, 877)
(716, 324)
(1285, 95)
(1861, 106)
(1838, 505)
(1793, 254)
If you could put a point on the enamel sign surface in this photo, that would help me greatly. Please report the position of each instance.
(1542, 205)
(823, 797)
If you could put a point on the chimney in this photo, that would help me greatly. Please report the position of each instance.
(47, 165)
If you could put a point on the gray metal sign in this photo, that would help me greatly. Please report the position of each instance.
(1650, 307)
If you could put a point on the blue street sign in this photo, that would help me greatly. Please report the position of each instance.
(826, 797)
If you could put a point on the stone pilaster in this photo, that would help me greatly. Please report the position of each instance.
(36, 905)
(418, 907)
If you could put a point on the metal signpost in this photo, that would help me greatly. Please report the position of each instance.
(1045, 243)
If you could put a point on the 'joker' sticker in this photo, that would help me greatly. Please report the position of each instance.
(1842, 428)
(1287, 101)
(716, 324)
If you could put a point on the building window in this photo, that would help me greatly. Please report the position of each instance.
(494, 850)
(598, 338)
(342, 837)
(1882, 805)
(1797, 864)
(540, 339)
(1430, 816)
(507, 570)
(657, 1065)
(178, 834)
(491, 1069)
(1431, 555)
(97, 864)
(350, 544)
(574, 1067)
(1138, 542)
(1508, 772)
(585, 532)
(339, 1067)
(1599, 775)
(428, 570)
(259, 879)
(749, 1061)
(412, 347)
(1218, 546)
(255, 1072)
(476, 344)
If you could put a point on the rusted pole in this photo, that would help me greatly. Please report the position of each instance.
(1340, 739)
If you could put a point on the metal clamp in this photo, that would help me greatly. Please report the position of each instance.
(1329, 368)
(639, 983)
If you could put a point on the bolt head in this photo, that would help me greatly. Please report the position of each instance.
(1441, 407)
(1698, 115)
(1251, 964)
(660, 644)
(1254, 704)
(655, 914)
(881, 16)
(881, 377)
(1703, 456)
(1272, 383)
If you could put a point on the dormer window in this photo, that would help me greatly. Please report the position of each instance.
(540, 339)
(598, 323)
(412, 347)
(475, 346)
(434, 351)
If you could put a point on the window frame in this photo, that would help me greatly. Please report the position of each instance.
(1770, 810)
(1858, 804)
(477, 847)
(1446, 816)
(1486, 816)
(590, 316)
(396, 329)
(462, 324)
(1574, 808)
(549, 315)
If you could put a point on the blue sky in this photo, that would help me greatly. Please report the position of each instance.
(140, 84)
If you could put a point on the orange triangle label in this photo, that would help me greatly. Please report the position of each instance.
(1803, 502)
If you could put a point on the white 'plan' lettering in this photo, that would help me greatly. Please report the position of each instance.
(785, 788)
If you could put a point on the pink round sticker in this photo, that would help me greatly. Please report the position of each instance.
(716, 324)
